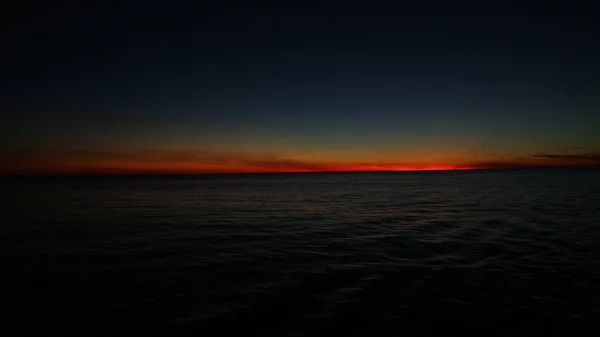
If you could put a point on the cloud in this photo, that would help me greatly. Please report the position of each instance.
(210, 161)
(483, 148)
(539, 160)
(285, 163)
(248, 160)
(99, 161)
(585, 157)
(497, 165)
(86, 155)
(141, 156)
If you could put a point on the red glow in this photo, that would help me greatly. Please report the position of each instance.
(240, 163)
(184, 169)
(398, 168)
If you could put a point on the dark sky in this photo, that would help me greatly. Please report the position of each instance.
(161, 86)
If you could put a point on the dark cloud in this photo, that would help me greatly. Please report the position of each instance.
(144, 156)
(483, 148)
(285, 163)
(539, 160)
(497, 165)
(585, 157)
(207, 161)
(207, 158)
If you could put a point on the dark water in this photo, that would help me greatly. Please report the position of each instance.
(353, 254)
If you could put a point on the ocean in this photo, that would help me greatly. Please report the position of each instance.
(513, 252)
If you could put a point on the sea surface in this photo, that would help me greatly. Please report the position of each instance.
(499, 253)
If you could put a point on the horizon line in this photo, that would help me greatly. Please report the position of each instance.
(105, 174)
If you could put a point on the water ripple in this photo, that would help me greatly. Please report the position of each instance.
(310, 255)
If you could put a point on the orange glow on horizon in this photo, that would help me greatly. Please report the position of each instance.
(189, 169)
(228, 163)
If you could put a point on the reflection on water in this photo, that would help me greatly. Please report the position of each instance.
(353, 254)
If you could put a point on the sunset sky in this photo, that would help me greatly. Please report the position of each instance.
(152, 88)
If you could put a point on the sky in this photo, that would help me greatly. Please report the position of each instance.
(164, 87)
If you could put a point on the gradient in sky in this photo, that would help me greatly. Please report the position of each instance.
(163, 88)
